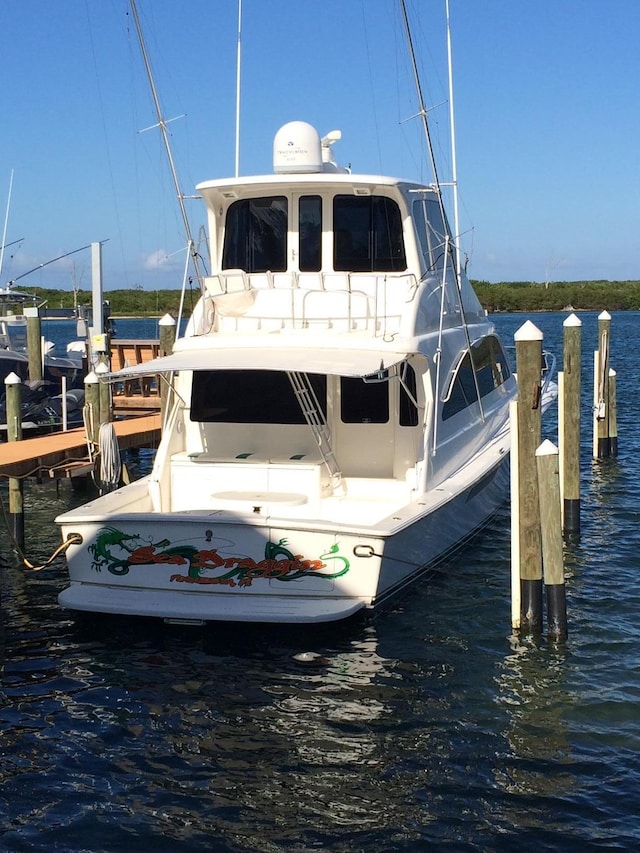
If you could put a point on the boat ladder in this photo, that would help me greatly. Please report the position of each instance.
(317, 420)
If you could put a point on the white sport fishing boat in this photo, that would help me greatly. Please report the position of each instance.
(340, 415)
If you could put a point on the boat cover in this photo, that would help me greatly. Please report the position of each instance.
(342, 362)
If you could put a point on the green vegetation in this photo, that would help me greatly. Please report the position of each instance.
(505, 296)
(132, 302)
(556, 296)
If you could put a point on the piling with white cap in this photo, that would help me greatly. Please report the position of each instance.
(528, 548)
(551, 536)
(601, 442)
(13, 390)
(167, 327)
(569, 424)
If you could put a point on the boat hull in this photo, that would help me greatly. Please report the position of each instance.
(206, 566)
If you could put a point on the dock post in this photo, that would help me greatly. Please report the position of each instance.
(104, 394)
(601, 444)
(569, 424)
(613, 414)
(167, 327)
(551, 534)
(528, 340)
(92, 407)
(13, 388)
(516, 595)
(34, 343)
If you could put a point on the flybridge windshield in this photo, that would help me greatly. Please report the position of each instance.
(367, 234)
(256, 235)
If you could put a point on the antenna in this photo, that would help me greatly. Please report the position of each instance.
(6, 220)
(238, 88)
(452, 124)
(162, 124)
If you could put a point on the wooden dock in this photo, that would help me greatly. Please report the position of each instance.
(65, 454)
(135, 395)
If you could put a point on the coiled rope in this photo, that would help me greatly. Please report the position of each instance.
(110, 462)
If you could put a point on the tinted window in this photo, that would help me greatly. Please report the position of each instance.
(367, 234)
(491, 370)
(255, 238)
(463, 390)
(430, 229)
(490, 364)
(250, 396)
(310, 233)
(362, 402)
(408, 410)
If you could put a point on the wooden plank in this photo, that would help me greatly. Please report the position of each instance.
(22, 458)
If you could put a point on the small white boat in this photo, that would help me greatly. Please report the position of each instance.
(340, 414)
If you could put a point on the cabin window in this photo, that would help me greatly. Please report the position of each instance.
(462, 391)
(363, 402)
(431, 230)
(408, 410)
(255, 237)
(490, 364)
(250, 396)
(310, 233)
(488, 360)
(367, 234)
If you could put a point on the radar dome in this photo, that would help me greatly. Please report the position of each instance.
(297, 148)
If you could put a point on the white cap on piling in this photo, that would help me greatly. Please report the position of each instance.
(91, 378)
(528, 332)
(604, 316)
(167, 320)
(547, 448)
(101, 368)
(572, 320)
(12, 379)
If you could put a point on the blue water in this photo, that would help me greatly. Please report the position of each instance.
(432, 727)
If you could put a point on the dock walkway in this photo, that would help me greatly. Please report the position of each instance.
(65, 454)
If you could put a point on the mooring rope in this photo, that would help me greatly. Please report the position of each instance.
(73, 539)
(110, 462)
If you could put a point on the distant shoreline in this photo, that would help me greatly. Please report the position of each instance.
(499, 298)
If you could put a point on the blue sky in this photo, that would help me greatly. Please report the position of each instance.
(547, 123)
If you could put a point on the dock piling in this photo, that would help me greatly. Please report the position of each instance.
(613, 414)
(167, 327)
(92, 407)
(551, 535)
(13, 388)
(34, 344)
(105, 404)
(569, 424)
(528, 341)
(601, 442)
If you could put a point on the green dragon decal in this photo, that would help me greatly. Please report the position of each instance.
(118, 552)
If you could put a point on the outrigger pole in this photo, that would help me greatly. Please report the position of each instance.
(53, 260)
(162, 124)
(450, 241)
(454, 164)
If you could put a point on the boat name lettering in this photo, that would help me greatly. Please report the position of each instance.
(118, 552)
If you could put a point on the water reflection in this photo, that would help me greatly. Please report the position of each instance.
(428, 728)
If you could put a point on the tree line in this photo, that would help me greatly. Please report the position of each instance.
(557, 296)
(504, 296)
